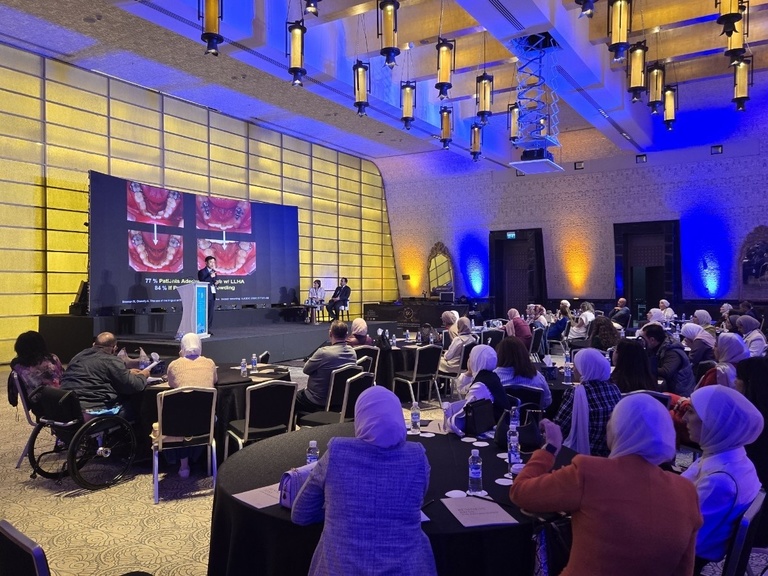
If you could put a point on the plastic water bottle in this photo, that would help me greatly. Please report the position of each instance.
(472, 322)
(312, 452)
(418, 337)
(243, 368)
(514, 418)
(143, 359)
(386, 335)
(254, 361)
(431, 338)
(568, 372)
(415, 418)
(475, 473)
(407, 335)
(622, 333)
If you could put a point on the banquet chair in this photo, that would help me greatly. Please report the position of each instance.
(373, 353)
(493, 337)
(524, 394)
(660, 396)
(353, 387)
(263, 357)
(185, 418)
(740, 547)
(450, 377)
(268, 412)
(533, 351)
(425, 369)
(365, 362)
(562, 342)
(22, 556)
(22, 391)
(703, 367)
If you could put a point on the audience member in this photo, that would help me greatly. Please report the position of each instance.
(518, 327)
(753, 336)
(668, 360)
(564, 316)
(319, 367)
(372, 517)
(655, 315)
(35, 367)
(192, 368)
(665, 308)
(621, 314)
(601, 396)
(540, 317)
(729, 351)
(746, 309)
(359, 335)
(701, 343)
(485, 384)
(722, 421)
(450, 329)
(703, 319)
(101, 381)
(729, 324)
(340, 298)
(632, 369)
(629, 517)
(580, 327)
(602, 335)
(451, 362)
(515, 369)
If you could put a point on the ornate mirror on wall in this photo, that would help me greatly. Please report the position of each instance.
(440, 269)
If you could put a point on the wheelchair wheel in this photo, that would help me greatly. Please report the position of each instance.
(47, 453)
(101, 452)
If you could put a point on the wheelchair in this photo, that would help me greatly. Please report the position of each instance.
(96, 453)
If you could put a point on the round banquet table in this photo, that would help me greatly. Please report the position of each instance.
(250, 541)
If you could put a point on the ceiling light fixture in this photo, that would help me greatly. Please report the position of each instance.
(445, 126)
(386, 29)
(361, 72)
(446, 63)
(743, 78)
(407, 102)
(670, 105)
(655, 86)
(484, 92)
(211, 13)
(730, 13)
(311, 7)
(513, 122)
(734, 46)
(619, 25)
(476, 141)
(295, 50)
(587, 8)
(636, 70)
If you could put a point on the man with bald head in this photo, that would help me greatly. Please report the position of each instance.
(621, 314)
(100, 380)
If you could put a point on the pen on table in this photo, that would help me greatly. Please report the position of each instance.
(427, 504)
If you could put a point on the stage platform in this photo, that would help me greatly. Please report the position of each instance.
(68, 335)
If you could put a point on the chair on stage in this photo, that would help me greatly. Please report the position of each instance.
(268, 412)
(21, 389)
(371, 352)
(344, 311)
(352, 389)
(425, 369)
(185, 418)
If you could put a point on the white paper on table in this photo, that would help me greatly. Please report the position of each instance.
(477, 512)
(261, 497)
(434, 426)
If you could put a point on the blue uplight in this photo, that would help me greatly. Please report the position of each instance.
(707, 258)
(473, 265)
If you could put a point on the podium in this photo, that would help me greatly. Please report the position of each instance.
(194, 309)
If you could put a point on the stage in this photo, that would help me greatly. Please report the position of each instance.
(285, 340)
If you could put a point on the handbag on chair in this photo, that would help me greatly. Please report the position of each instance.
(479, 417)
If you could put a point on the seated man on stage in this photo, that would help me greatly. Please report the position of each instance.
(340, 298)
(101, 381)
(319, 367)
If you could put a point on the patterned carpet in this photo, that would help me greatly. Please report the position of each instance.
(113, 531)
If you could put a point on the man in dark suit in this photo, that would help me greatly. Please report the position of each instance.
(340, 298)
(208, 274)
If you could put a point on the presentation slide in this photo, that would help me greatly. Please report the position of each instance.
(145, 241)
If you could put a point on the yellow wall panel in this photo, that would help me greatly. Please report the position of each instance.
(267, 165)
(20, 60)
(238, 173)
(136, 171)
(305, 215)
(67, 179)
(221, 123)
(325, 259)
(294, 144)
(349, 259)
(297, 200)
(26, 128)
(60, 283)
(66, 199)
(301, 175)
(264, 135)
(348, 246)
(59, 303)
(135, 95)
(186, 128)
(64, 74)
(371, 204)
(349, 161)
(79, 119)
(325, 167)
(188, 146)
(15, 325)
(22, 216)
(329, 232)
(182, 110)
(324, 192)
(22, 238)
(27, 283)
(349, 173)
(126, 113)
(68, 241)
(76, 139)
(265, 194)
(264, 149)
(180, 180)
(264, 180)
(305, 258)
(75, 98)
(325, 219)
(349, 211)
(65, 220)
(76, 159)
(136, 134)
(371, 249)
(221, 187)
(372, 282)
(135, 151)
(20, 105)
(228, 157)
(323, 153)
(371, 260)
(66, 261)
(29, 261)
(295, 159)
(371, 226)
(349, 185)
(24, 194)
(372, 214)
(14, 304)
(229, 142)
(321, 205)
(305, 229)
(21, 150)
(327, 180)
(325, 245)
(305, 244)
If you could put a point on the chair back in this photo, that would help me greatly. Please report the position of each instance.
(186, 412)
(427, 361)
(703, 367)
(371, 352)
(263, 357)
(339, 379)
(740, 546)
(59, 407)
(660, 396)
(21, 389)
(525, 394)
(355, 386)
(19, 555)
(365, 363)
(270, 405)
(537, 335)
(493, 337)
(447, 337)
(465, 355)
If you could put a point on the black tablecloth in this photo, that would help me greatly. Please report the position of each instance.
(249, 541)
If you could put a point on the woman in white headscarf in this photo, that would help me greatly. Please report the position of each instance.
(754, 338)
(192, 368)
(359, 336)
(701, 342)
(451, 362)
(669, 314)
(729, 351)
(620, 499)
(704, 319)
(600, 396)
(721, 421)
(478, 382)
(655, 315)
(372, 518)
